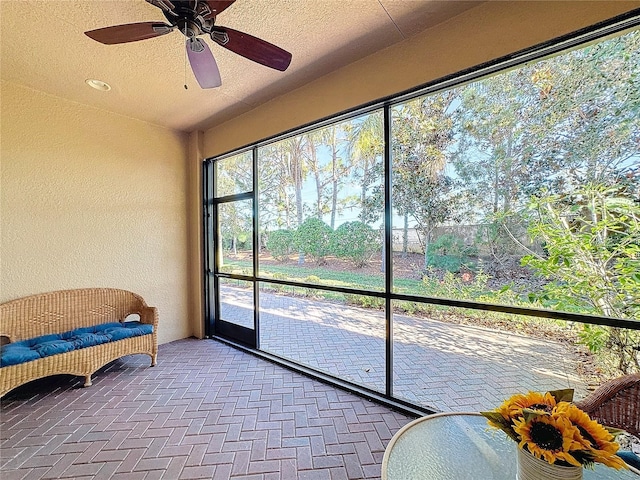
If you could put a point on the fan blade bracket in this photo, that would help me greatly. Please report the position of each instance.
(161, 28)
(203, 10)
(220, 37)
(195, 45)
(218, 6)
(164, 5)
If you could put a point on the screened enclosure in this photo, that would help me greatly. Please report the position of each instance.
(449, 246)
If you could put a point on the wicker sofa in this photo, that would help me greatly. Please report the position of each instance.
(72, 332)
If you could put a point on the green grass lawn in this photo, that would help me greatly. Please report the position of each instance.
(326, 276)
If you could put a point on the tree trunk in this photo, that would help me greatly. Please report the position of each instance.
(334, 185)
(383, 265)
(427, 242)
(316, 174)
(496, 182)
(296, 167)
(405, 236)
(365, 183)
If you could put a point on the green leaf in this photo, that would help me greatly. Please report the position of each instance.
(500, 422)
(565, 395)
(530, 414)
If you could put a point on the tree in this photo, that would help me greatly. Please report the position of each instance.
(587, 123)
(366, 146)
(592, 240)
(275, 187)
(319, 171)
(491, 155)
(235, 225)
(288, 179)
(234, 174)
(421, 190)
(548, 127)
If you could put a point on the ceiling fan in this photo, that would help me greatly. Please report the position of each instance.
(194, 18)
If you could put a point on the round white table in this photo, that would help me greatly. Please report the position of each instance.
(461, 446)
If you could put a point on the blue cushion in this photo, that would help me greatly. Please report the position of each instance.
(140, 328)
(46, 345)
(119, 333)
(53, 347)
(102, 327)
(128, 330)
(83, 340)
(93, 328)
(630, 458)
(13, 354)
(30, 342)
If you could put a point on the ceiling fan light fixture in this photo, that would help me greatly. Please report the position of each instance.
(98, 84)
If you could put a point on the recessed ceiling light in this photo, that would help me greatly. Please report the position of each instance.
(98, 84)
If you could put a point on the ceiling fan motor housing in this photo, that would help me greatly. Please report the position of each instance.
(188, 28)
(191, 18)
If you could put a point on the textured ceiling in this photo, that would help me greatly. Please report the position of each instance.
(44, 48)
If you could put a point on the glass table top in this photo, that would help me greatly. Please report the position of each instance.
(461, 446)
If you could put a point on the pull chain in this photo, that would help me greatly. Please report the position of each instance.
(185, 59)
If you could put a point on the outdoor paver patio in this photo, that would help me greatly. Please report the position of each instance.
(447, 367)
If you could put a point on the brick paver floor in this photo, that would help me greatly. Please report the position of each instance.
(205, 411)
(210, 411)
(447, 367)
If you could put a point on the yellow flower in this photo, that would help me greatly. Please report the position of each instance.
(551, 438)
(594, 437)
(512, 407)
(555, 430)
(592, 434)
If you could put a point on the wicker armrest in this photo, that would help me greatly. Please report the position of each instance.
(149, 315)
(616, 403)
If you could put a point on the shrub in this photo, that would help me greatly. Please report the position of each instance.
(364, 301)
(280, 244)
(449, 252)
(226, 269)
(356, 241)
(313, 238)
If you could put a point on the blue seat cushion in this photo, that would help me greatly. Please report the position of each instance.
(630, 458)
(94, 328)
(13, 354)
(52, 347)
(83, 340)
(46, 345)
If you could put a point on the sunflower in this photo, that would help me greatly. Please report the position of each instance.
(548, 437)
(512, 407)
(592, 434)
(594, 437)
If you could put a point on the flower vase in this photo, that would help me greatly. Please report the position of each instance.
(533, 468)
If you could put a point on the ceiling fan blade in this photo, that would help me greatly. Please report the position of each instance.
(252, 48)
(203, 64)
(130, 32)
(217, 6)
